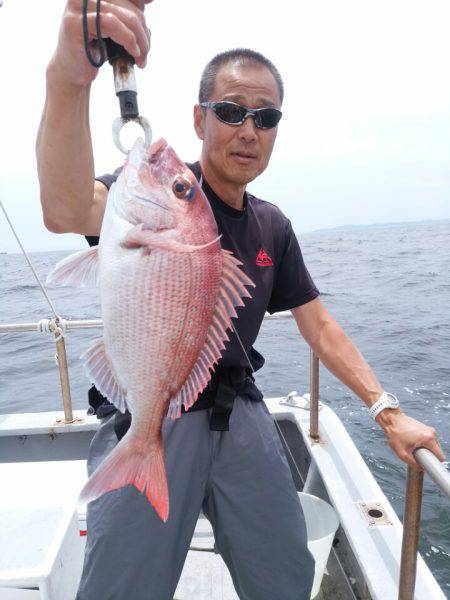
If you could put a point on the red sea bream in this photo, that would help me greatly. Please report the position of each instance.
(168, 293)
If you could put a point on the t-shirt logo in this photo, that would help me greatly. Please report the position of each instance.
(263, 259)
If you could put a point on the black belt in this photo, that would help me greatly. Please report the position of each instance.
(219, 395)
(224, 386)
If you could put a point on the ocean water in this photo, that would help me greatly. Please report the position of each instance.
(388, 287)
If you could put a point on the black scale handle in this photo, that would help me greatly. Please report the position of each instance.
(122, 63)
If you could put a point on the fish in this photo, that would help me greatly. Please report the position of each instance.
(168, 292)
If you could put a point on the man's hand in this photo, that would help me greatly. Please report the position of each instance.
(405, 434)
(121, 20)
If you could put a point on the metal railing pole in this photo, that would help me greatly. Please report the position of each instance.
(61, 358)
(410, 541)
(84, 324)
(95, 323)
(434, 469)
(411, 518)
(314, 397)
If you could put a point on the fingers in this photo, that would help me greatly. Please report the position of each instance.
(437, 450)
(134, 21)
(405, 454)
(112, 27)
(123, 21)
(434, 447)
(140, 3)
(431, 443)
(408, 458)
(405, 435)
(402, 453)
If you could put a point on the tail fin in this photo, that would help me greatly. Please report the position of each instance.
(135, 462)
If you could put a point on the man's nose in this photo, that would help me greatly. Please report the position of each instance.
(247, 131)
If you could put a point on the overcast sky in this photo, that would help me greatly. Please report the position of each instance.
(365, 135)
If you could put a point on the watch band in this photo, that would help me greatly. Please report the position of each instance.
(386, 400)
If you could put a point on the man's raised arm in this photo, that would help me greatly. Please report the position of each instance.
(71, 200)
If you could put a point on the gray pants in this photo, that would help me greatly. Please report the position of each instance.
(242, 481)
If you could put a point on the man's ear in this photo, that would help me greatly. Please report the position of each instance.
(199, 121)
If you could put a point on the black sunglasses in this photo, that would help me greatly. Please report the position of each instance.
(235, 114)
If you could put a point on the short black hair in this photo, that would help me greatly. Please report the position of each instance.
(242, 56)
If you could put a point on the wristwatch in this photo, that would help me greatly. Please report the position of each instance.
(386, 400)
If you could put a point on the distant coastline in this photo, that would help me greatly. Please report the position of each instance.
(379, 225)
(338, 228)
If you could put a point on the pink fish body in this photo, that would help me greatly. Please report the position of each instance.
(168, 293)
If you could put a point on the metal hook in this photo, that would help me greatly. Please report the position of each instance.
(120, 122)
(126, 91)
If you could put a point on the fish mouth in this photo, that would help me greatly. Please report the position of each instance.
(164, 165)
(156, 151)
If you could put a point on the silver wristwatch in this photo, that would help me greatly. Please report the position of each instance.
(386, 400)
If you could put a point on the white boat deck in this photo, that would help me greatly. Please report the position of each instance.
(39, 525)
(205, 575)
(39, 510)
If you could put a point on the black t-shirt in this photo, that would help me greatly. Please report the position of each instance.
(262, 238)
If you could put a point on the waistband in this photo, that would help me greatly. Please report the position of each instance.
(237, 378)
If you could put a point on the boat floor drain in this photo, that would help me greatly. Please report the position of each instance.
(374, 513)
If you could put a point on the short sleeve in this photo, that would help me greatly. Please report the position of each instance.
(108, 179)
(293, 285)
(92, 240)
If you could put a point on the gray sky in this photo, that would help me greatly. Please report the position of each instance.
(365, 132)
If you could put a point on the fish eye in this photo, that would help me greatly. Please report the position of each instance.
(183, 189)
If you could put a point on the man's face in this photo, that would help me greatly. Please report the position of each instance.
(238, 154)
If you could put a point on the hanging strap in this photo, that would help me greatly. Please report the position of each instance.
(122, 422)
(232, 382)
(223, 406)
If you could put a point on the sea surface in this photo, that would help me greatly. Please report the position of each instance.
(388, 287)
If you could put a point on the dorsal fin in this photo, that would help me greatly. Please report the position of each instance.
(232, 290)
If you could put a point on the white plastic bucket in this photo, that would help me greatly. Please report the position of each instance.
(321, 525)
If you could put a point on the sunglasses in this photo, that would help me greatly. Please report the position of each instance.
(235, 114)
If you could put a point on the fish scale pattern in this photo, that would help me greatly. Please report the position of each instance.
(178, 290)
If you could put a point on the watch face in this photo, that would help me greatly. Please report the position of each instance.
(393, 401)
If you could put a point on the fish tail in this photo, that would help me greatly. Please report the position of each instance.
(136, 462)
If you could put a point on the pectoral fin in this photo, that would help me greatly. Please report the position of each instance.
(79, 269)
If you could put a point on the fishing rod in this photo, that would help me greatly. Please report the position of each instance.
(124, 79)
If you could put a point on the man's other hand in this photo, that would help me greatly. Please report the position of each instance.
(405, 434)
(121, 20)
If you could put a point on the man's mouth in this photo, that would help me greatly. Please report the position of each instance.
(244, 157)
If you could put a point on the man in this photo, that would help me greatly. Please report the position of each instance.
(224, 455)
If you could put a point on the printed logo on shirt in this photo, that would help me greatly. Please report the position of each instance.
(263, 259)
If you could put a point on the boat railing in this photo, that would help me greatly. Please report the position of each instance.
(413, 492)
(414, 479)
